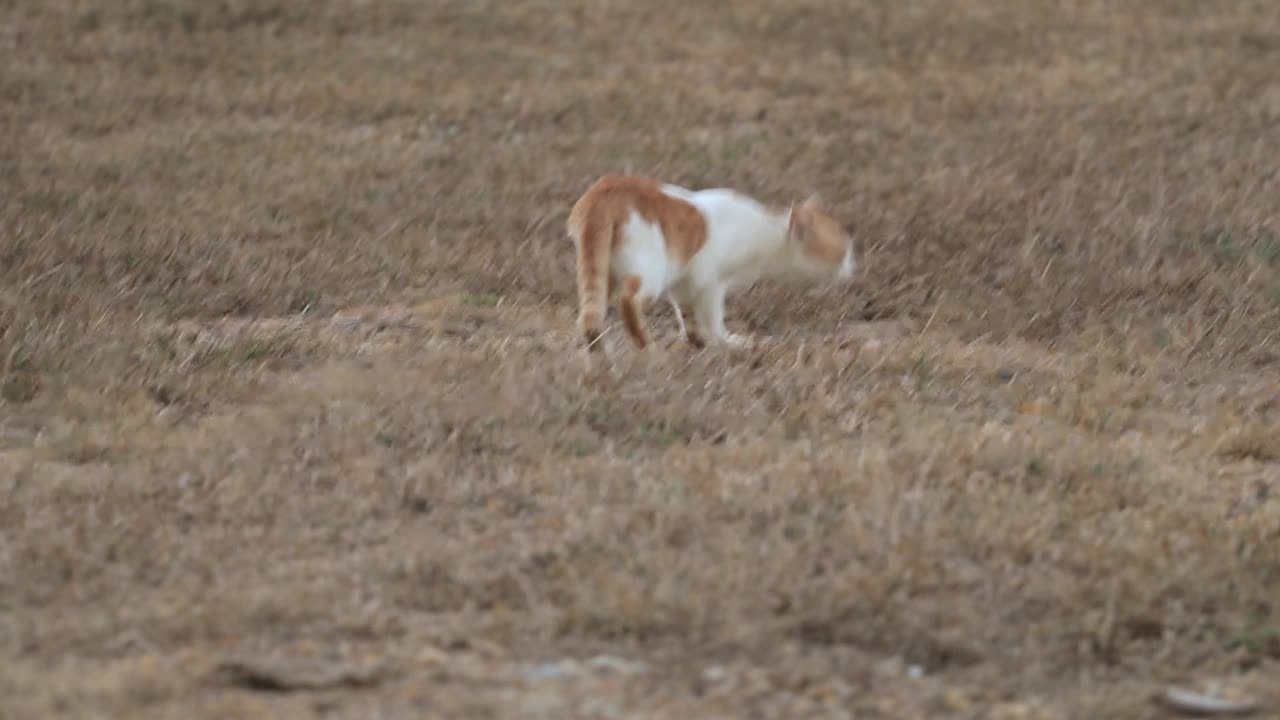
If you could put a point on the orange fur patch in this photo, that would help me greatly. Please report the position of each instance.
(822, 235)
(596, 222)
(613, 197)
(631, 307)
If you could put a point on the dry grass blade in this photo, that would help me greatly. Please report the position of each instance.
(1200, 705)
(282, 674)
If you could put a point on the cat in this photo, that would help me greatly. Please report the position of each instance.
(640, 239)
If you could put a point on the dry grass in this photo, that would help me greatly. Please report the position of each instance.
(285, 305)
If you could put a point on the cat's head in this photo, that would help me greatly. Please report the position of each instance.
(820, 247)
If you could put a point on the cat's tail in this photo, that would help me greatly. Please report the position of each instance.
(594, 234)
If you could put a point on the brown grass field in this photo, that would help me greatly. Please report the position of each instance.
(293, 423)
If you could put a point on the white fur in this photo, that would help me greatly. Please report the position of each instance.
(745, 242)
(644, 254)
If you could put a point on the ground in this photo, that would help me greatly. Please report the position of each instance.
(292, 422)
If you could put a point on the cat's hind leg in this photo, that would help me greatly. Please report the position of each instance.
(631, 304)
(642, 278)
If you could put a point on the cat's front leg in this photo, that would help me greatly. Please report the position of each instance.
(686, 316)
(709, 315)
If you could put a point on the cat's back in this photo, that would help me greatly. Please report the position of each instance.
(612, 197)
(723, 208)
(627, 191)
(706, 196)
(668, 204)
(646, 189)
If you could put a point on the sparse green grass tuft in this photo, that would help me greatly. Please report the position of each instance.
(481, 299)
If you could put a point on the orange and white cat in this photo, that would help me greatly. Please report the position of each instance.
(640, 239)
